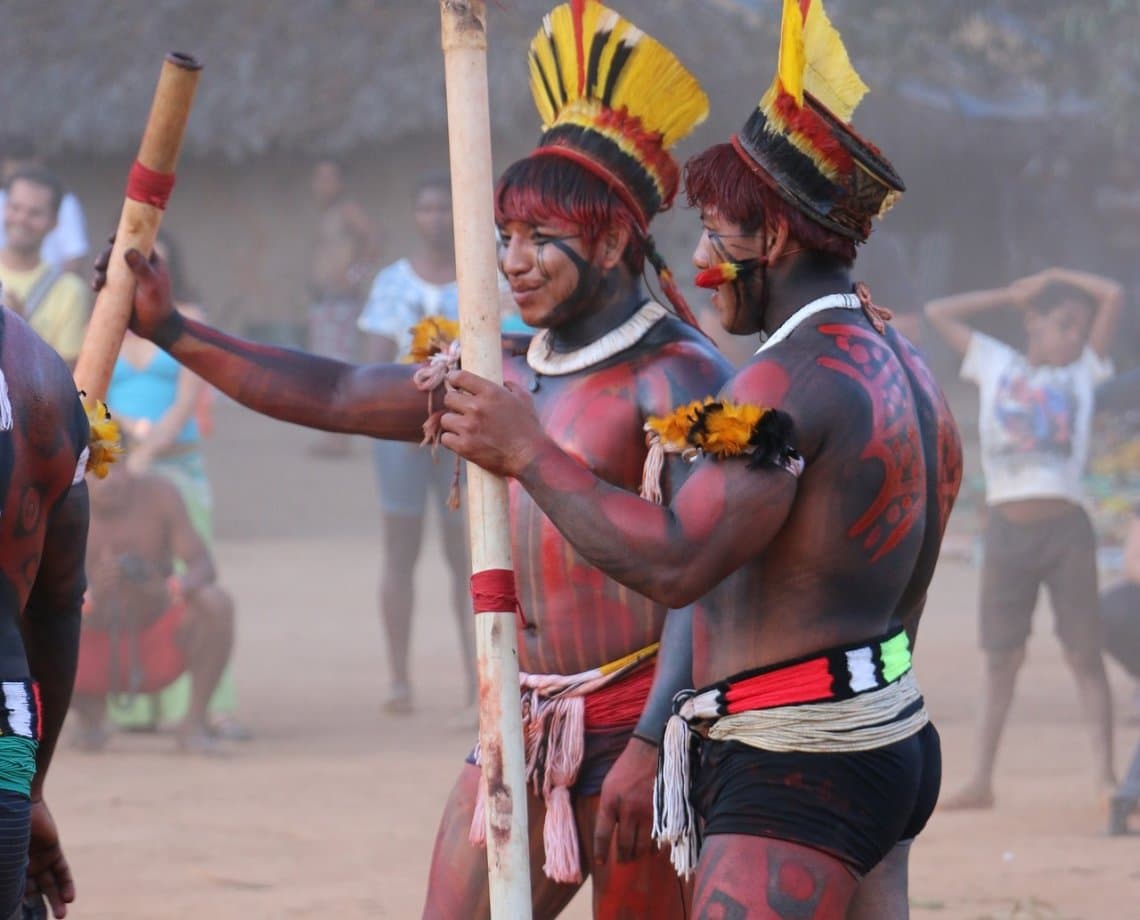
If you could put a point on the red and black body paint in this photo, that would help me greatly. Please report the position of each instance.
(43, 526)
(894, 439)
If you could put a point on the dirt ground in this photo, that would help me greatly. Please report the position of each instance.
(331, 810)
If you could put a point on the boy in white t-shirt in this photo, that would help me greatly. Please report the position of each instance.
(1034, 422)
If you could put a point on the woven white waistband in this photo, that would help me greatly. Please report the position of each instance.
(862, 723)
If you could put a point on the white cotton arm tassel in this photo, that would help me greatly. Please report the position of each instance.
(674, 821)
(654, 467)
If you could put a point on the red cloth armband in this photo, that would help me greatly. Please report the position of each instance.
(149, 187)
(493, 591)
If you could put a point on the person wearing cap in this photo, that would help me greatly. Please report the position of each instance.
(806, 534)
(573, 221)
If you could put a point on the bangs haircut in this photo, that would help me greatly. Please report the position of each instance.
(719, 178)
(536, 189)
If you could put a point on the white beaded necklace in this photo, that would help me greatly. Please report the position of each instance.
(542, 359)
(828, 302)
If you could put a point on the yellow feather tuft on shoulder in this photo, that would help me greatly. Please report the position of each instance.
(728, 429)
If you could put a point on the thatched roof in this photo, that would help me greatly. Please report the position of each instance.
(338, 76)
(293, 76)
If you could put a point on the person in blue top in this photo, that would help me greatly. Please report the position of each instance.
(160, 407)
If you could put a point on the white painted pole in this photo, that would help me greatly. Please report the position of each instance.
(500, 722)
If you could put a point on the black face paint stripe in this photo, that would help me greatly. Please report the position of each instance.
(587, 274)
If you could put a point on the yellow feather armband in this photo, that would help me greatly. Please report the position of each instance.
(432, 335)
(435, 347)
(721, 429)
(103, 442)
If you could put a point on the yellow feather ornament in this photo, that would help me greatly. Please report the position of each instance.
(104, 444)
(430, 336)
(587, 58)
(812, 57)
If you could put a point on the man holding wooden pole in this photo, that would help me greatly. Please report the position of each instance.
(47, 445)
(573, 221)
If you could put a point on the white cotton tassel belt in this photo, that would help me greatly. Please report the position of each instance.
(554, 737)
(862, 723)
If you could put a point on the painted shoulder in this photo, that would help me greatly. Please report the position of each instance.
(35, 375)
(674, 340)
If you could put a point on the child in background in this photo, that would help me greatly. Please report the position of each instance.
(1034, 422)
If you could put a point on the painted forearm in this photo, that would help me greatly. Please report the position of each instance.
(51, 642)
(51, 622)
(630, 540)
(379, 401)
(674, 672)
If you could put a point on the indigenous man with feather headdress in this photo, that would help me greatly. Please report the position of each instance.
(807, 532)
(573, 221)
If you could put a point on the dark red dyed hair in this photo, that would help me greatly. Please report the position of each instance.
(719, 178)
(539, 188)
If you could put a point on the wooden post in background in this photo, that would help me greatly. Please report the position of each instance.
(464, 31)
(148, 186)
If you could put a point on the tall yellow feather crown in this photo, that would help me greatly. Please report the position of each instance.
(614, 100)
(799, 139)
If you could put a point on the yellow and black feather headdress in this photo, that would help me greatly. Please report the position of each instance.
(613, 100)
(799, 139)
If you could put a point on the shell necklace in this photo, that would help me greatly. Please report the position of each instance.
(544, 361)
(828, 302)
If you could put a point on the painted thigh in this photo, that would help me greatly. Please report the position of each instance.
(760, 878)
(645, 887)
(457, 882)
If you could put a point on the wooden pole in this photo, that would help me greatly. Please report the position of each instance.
(500, 722)
(149, 182)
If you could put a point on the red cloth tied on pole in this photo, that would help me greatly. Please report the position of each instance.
(493, 591)
(149, 186)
